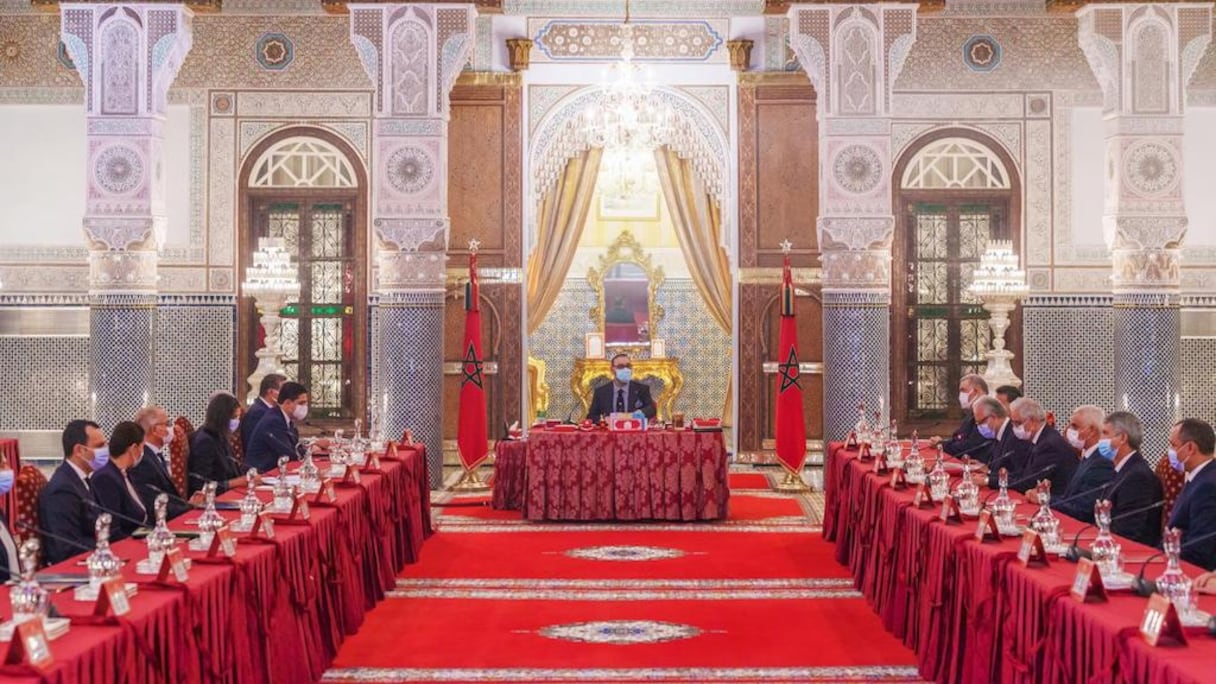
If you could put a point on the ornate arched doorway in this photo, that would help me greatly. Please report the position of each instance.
(308, 187)
(955, 190)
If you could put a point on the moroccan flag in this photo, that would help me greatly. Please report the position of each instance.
(790, 428)
(471, 437)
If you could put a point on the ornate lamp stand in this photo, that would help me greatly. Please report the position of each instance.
(999, 283)
(272, 282)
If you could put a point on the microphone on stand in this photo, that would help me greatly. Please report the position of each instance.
(219, 505)
(1029, 478)
(972, 450)
(43, 533)
(1088, 492)
(1144, 587)
(1076, 553)
(116, 514)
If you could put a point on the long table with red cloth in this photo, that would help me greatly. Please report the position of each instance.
(972, 613)
(275, 612)
(603, 475)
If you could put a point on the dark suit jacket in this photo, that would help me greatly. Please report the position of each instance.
(603, 402)
(1092, 472)
(249, 421)
(110, 489)
(1007, 452)
(62, 511)
(1050, 450)
(152, 472)
(1136, 486)
(211, 458)
(6, 572)
(965, 438)
(272, 438)
(1195, 514)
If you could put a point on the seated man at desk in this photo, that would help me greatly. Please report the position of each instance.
(622, 395)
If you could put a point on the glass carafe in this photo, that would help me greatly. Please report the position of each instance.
(1173, 583)
(914, 464)
(210, 520)
(28, 599)
(160, 540)
(282, 490)
(939, 480)
(863, 425)
(1107, 554)
(1002, 506)
(251, 505)
(102, 564)
(967, 493)
(309, 475)
(1044, 521)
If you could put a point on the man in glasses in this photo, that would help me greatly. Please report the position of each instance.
(622, 395)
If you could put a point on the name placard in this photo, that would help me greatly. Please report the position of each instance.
(264, 525)
(326, 494)
(112, 598)
(173, 563)
(949, 512)
(864, 453)
(1032, 549)
(373, 461)
(351, 477)
(1160, 625)
(29, 646)
(921, 497)
(985, 527)
(1087, 583)
(898, 480)
(299, 507)
(880, 464)
(222, 541)
(850, 442)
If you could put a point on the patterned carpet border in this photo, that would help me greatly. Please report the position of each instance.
(544, 583)
(601, 595)
(501, 526)
(694, 674)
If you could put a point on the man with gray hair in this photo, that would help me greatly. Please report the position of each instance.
(1135, 485)
(150, 474)
(1094, 471)
(967, 437)
(1006, 451)
(1049, 458)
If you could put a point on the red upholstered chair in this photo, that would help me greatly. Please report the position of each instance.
(186, 425)
(1171, 485)
(179, 455)
(28, 487)
(1051, 420)
(234, 440)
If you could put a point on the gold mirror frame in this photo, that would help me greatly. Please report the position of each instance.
(626, 249)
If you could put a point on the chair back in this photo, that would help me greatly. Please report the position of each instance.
(186, 425)
(28, 489)
(234, 441)
(1171, 487)
(179, 455)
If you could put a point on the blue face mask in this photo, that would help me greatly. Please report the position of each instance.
(6, 481)
(1105, 450)
(101, 457)
(1177, 465)
(986, 432)
(624, 374)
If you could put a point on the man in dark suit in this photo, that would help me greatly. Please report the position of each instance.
(1095, 470)
(62, 508)
(967, 436)
(1005, 451)
(1192, 445)
(1135, 486)
(1049, 457)
(622, 395)
(150, 474)
(113, 488)
(276, 434)
(9, 567)
(268, 398)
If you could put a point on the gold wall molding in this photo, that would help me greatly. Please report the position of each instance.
(506, 79)
(772, 276)
(773, 78)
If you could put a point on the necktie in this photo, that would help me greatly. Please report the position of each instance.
(620, 400)
(131, 490)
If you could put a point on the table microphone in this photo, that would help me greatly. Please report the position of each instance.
(1144, 587)
(43, 533)
(116, 514)
(1075, 552)
(219, 505)
(1029, 478)
(1074, 497)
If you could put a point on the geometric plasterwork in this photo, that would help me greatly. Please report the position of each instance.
(559, 40)
(638, 8)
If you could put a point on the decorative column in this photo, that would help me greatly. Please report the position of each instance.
(853, 54)
(1143, 56)
(413, 54)
(127, 57)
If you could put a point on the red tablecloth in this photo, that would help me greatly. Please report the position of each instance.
(276, 612)
(601, 475)
(8, 502)
(971, 612)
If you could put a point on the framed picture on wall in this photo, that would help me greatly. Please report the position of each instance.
(638, 207)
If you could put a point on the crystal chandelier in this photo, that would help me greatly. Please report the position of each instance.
(272, 281)
(628, 116)
(999, 283)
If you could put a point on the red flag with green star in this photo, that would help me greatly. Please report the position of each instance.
(790, 427)
(471, 436)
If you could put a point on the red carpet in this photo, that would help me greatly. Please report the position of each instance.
(602, 603)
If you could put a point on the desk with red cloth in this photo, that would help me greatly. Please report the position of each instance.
(597, 474)
(275, 612)
(972, 612)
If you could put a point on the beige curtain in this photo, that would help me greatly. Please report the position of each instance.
(698, 223)
(562, 213)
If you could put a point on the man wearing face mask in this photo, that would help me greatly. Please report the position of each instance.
(1049, 456)
(112, 483)
(9, 568)
(967, 436)
(1006, 451)
(276, 434)
(268, 398)
(1135, 485)
(622, 395)
(62, 510)
(1094, 471)
(1192, 444)
(150, 474)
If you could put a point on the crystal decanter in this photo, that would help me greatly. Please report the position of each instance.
(1002, 506)
(310, 480)
(939, 480)
(895, 450)
(1173, 583)
(863, 425)
(282, 490)
(160, 540)
(1107, 554)
(251, 505)
(967, 493)
(1044, 521)
(914, 464)
(28, 599)
(915, 439)
(102, 564)
(210, 520)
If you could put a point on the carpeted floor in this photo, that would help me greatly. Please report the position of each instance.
(756, 598)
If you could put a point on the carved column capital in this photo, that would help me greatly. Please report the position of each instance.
(740, 53)
(519, 52)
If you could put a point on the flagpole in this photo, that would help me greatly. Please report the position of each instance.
(790, 415)
(471, 429)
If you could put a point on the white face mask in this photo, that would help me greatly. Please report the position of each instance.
(234, 424)
(964, 400)
(168, 437)
(1021, 432)
(300, 412)
(1074, 438)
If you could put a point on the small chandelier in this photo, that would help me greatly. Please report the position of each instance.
(628, 115)
(998, 272)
